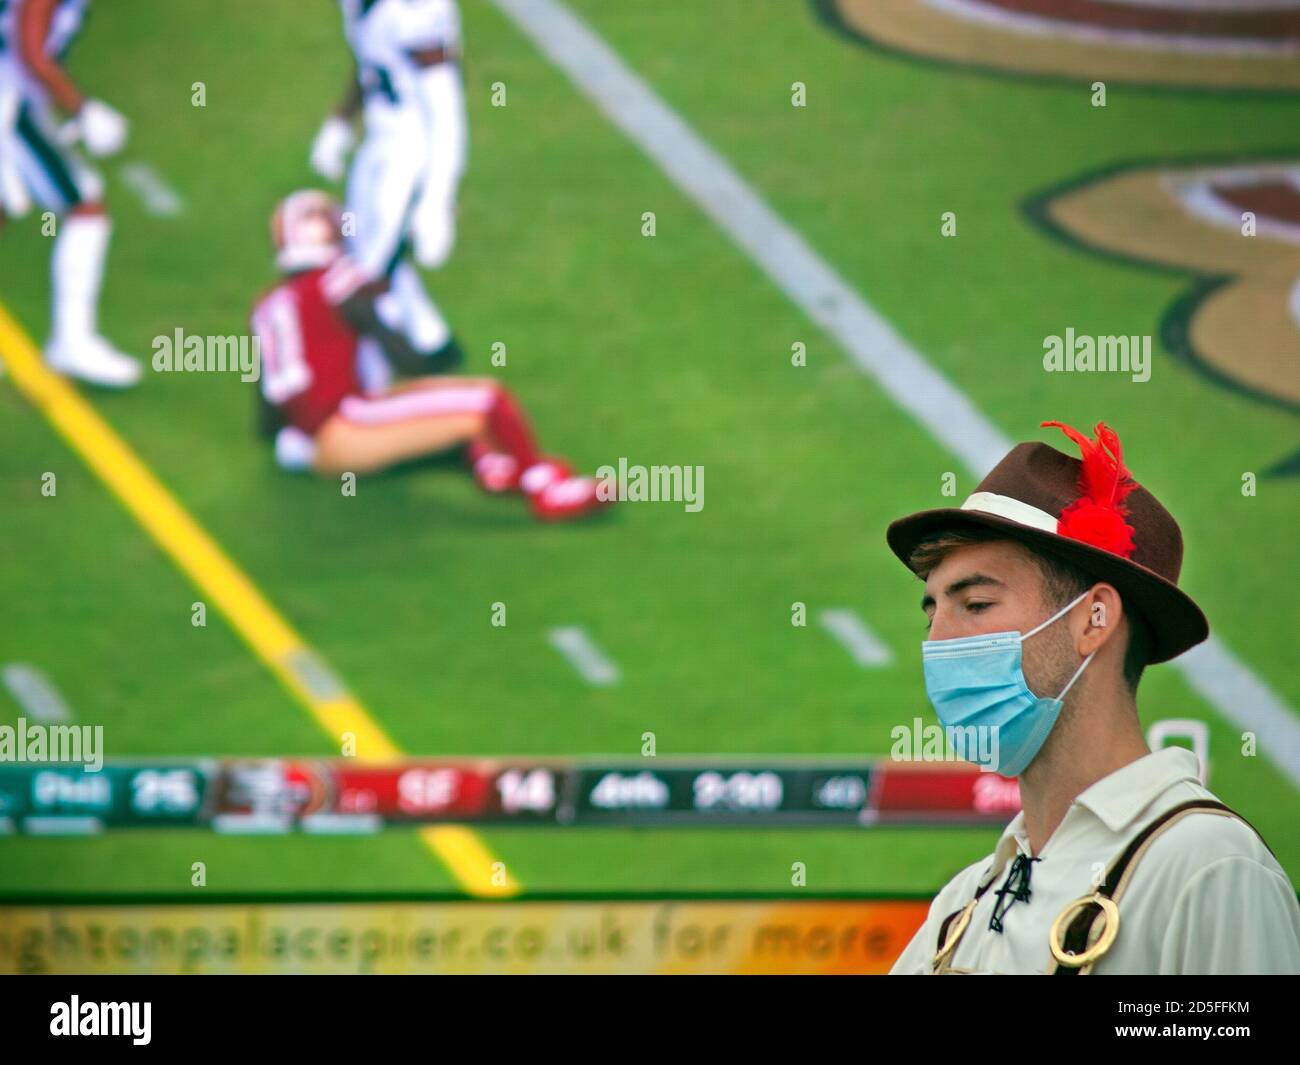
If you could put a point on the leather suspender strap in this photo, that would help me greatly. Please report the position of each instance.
(946, 944)
(1092, 930)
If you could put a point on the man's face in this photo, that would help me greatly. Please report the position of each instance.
(998, 587)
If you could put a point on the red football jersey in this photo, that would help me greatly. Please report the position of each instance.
(309, 351)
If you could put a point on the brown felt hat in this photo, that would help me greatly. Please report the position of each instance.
(1043, 499)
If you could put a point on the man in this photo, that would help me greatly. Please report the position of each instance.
(35, 161)
(1047, 592)
(401, 191)
(308, 327)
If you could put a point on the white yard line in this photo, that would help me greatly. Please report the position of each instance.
(34, 692)
(63, 826)
(252, 824)
(582, 653)
(342, 824)
(157, 197)
(1248, 702)
(866, 649)
(831, 302)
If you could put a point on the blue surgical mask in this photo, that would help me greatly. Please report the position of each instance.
(978, 680)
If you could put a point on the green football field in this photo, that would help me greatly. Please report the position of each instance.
(671, 349)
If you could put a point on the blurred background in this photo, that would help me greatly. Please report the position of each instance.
(812, 247)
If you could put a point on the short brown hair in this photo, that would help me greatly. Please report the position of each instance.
(1062, 581)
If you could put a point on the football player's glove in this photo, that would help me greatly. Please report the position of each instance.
(329, 151)
(433, 232)
(294, 449)
(103, 130)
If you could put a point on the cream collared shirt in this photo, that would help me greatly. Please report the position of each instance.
(1206, 897)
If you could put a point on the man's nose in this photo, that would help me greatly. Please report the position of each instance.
(941, 626)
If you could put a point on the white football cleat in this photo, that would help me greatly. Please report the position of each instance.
(542, 473)
(496, 472)
(557, 495)
(569, 497)
(95, 361)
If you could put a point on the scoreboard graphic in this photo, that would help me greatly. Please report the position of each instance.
(256, 796)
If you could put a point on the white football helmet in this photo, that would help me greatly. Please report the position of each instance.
(307, 230)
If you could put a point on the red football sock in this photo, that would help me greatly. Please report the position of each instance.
(509, 428)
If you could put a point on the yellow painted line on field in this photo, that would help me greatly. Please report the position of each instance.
(199, 557)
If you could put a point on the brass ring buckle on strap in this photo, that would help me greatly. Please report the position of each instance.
(954, 936)
(1108, 933)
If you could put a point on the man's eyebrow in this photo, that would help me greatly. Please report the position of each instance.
(973, 581)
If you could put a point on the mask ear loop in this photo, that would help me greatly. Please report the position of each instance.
(1077, 672)
(1059, 614)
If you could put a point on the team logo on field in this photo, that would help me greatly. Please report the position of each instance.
(1237, 228)
(1234, 44)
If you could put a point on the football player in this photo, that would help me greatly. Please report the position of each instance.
(36, 161)
(309, 326)
(401, 190)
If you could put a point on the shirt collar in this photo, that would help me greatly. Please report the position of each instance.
(1118, 798)
(1115, 799)
(1015, 840)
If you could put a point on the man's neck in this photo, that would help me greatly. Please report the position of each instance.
(1090, 742)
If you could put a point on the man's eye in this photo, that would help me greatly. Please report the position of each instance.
(977, 607)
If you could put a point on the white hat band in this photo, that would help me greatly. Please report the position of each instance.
(1011, 509)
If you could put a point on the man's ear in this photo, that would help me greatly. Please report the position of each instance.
(1105, 612)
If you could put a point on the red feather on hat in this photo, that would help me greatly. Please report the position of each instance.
(1097, 516)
